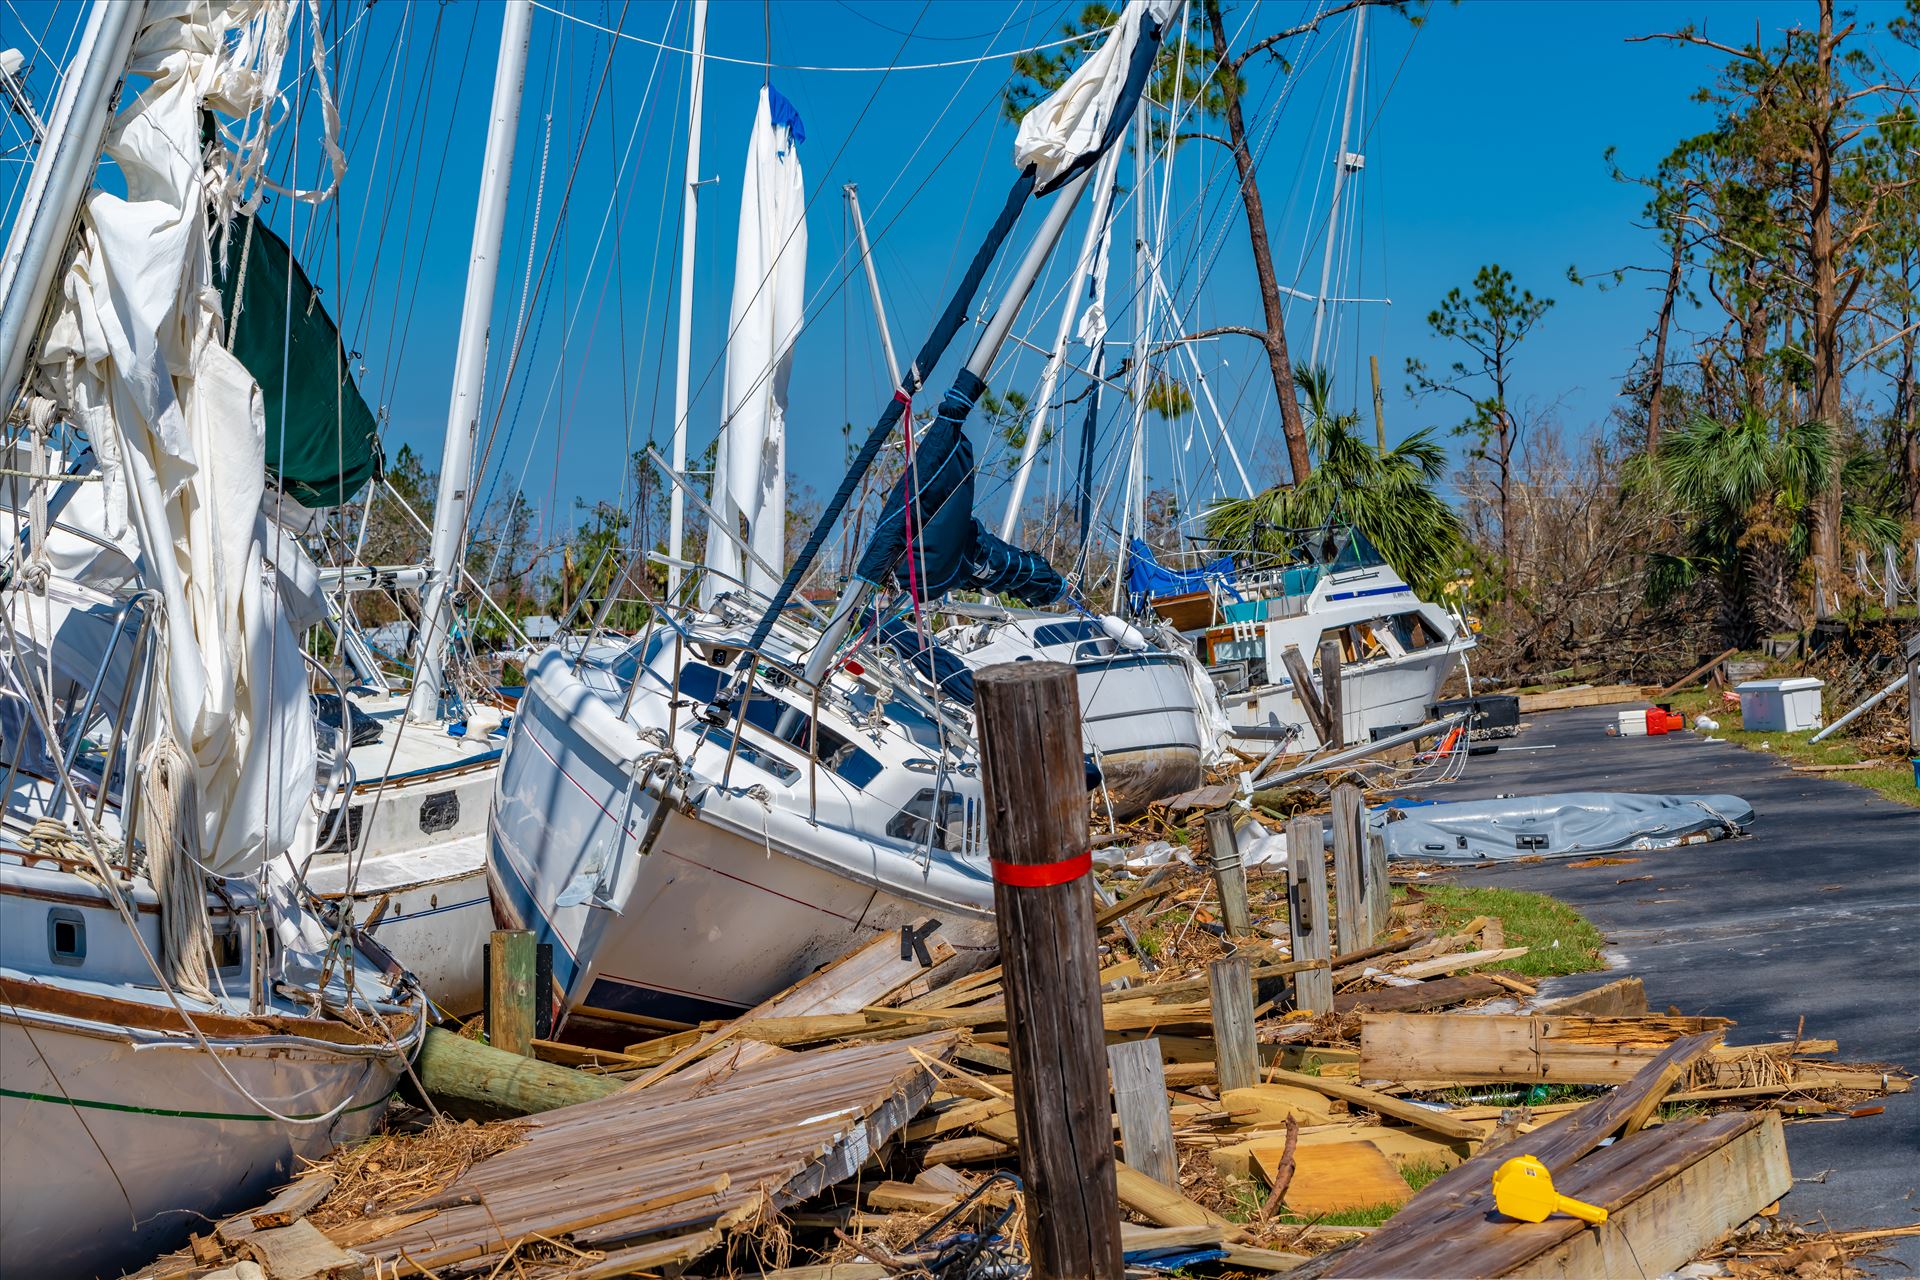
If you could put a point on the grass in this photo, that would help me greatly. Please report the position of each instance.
(1894, 781)
(1559, 940)
(1248, 1196)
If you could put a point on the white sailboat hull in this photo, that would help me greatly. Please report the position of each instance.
(118, 1143)
(1139, 715)
(720, 904)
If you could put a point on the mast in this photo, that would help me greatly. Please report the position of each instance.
(873, 281)
(470, 364)
(1343, 164)
(683, 353)
(69, 152)
(1133, 515)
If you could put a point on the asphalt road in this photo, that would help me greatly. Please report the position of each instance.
(1814, 915)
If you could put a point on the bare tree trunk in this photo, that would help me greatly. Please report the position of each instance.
(1278, 362)
(1657, 376)
(1826, 320)
(1753, 342)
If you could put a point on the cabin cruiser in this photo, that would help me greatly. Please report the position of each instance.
(1396, 650)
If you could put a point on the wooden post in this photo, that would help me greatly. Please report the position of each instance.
(1307, 913)
(511, 961)
(1379, 406)
(1140, 1097)
(1354, 925)
(1913, 685)
(1305, 695)
(477, 1081)
(1379, 888)
(1029, 714)
(1229, 873)
(1332, 697)
(1236, 1054)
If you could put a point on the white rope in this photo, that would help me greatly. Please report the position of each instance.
(798, 66)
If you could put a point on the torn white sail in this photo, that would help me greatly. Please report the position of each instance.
(134, 357)
(1070, 122)
(769, 300)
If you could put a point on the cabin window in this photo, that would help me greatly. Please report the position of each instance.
(752, 755)
(1067, 633)
(1413, 632)
(66, 936)
(916, 824)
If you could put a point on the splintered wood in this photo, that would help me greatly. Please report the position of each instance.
(829, 1128)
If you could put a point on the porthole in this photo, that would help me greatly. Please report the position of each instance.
(66, 936)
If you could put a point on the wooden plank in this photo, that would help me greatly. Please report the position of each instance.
(1669, 1193)
(864, 976)
(1236, 1055)
(1034, 782)
(1305, 694)
(1438, 1049)
(1336, 1176)
(1307, 913)
(1441, 993)
(1160, 1203)
(1692, 675)
(292, 1203)
(1140, 1100)
(1353, 922)
(511, 955)
(1620, 998)
(1332, 694)
(1274, 1104)
(300, 1252)
(1463, 1195)
(1381, 1104)
(1439, 965)
(1591, 696)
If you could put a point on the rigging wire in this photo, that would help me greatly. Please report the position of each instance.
(771, 66)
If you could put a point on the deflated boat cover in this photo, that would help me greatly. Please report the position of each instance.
(1554, 826)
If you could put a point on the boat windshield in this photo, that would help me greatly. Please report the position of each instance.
(1355, 552)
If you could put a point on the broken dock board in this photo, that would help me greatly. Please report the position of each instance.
(1441, 1049)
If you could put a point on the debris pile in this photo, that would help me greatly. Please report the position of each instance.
(1308, 1114)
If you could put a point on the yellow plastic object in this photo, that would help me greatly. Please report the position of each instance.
(1523, 1189)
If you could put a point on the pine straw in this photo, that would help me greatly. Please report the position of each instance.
(394, 1171)
(1767, 1247)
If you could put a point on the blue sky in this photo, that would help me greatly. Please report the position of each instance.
(1484, 129)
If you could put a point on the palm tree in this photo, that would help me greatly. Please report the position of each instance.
(1744, 495)
(1389, 497)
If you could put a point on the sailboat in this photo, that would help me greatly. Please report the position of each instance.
(181, 1021)
(406, 847)
(699, 818)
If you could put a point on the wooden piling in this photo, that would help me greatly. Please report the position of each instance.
(1236, 1053)
(1029, 714)
(1306, 695)
(1140, 1099)
(1353, 922)
(1332, 696)
(511, 961)
(1307, 913)
(1379, 888)
(1229, 874)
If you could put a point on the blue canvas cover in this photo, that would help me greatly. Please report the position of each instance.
(1148, 579)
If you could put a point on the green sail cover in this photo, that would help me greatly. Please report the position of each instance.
(330, 446)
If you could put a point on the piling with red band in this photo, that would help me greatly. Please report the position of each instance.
(1036, 792)
(1042, 874)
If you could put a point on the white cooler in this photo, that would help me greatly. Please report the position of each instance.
(1781, 706)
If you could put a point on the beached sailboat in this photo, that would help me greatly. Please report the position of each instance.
(700, 818)
(169, 987)
(1396, 650)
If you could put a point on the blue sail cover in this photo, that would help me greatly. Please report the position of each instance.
(952, 550)
(1148, 579)
(936, 662)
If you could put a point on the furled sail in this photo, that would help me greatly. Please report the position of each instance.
(327, 446)
(134, 358)
(769, 300)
